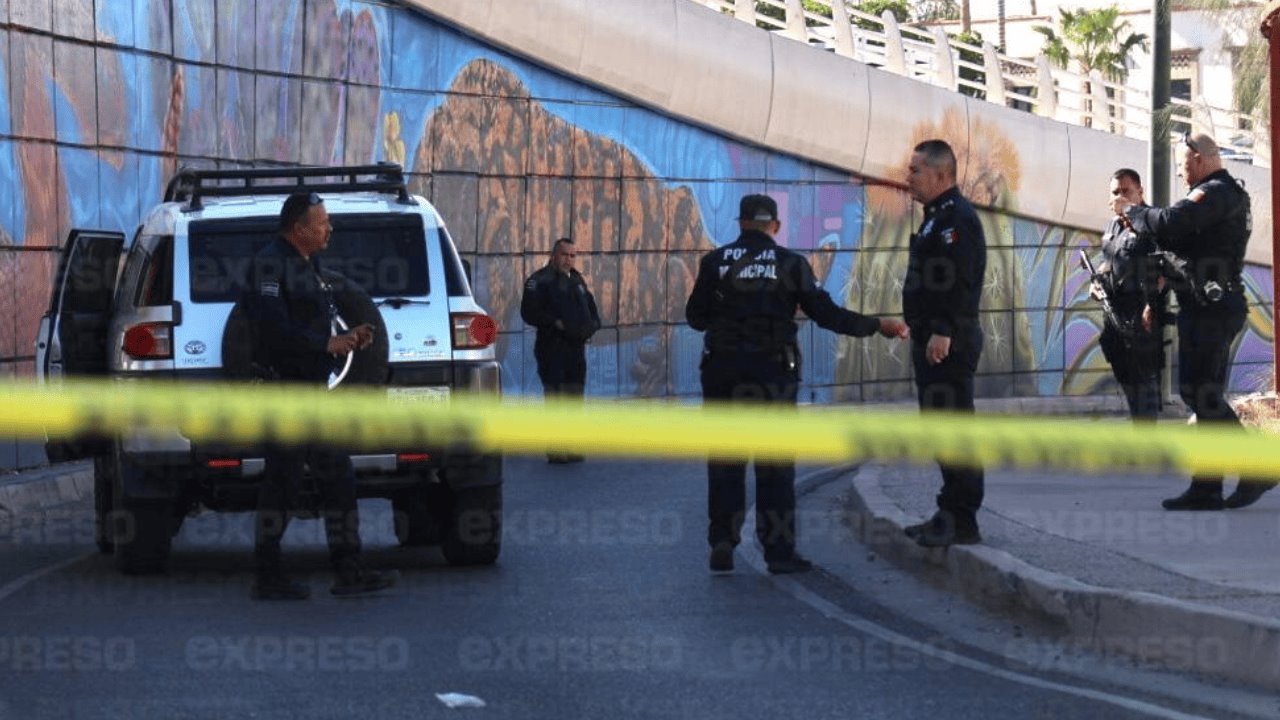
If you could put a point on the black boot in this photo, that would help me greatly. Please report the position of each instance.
(789, 565)
(277, 586)
(1247, 493)
(351, 577)
(270, 582)
(721, 559)
(945, 529)
(1196, 498)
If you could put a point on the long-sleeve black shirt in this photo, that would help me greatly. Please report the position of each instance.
(754, 311)
(945, 269)
(1131, 267)
(550, 295)
(293, 310)
(1208, 229)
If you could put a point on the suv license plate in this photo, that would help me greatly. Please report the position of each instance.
(418, 395)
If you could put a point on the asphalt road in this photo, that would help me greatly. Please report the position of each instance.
(601, 605)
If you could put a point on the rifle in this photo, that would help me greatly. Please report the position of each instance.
(1125, 329)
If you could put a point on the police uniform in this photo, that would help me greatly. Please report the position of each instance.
(550, 295)
(1135, 354)
(1205, 235)
(940, 296)
(293, 308)
(745, 300)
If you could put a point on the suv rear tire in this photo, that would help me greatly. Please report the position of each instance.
(473, 533)
(142, 530)
(418, 516)
(369, 367)
(103, 503)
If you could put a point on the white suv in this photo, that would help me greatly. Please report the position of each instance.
(166, 312)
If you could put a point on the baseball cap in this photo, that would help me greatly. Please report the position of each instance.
(758, 208)
(297, 205)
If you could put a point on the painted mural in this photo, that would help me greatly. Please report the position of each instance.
(104, 100)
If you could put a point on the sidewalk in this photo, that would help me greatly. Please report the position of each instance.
(43, 487)
(1096, 559)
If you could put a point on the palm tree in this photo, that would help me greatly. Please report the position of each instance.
(1092, 40)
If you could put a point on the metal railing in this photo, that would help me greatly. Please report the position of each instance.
(1036, 86)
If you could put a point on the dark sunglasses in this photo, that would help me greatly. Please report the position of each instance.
(1186, 140)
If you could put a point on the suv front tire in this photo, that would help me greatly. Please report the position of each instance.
(141, 529)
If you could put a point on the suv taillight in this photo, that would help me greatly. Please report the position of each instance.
(149, 341)
(472, 331)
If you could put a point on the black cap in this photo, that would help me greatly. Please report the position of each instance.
(297, 205)
(757, 207)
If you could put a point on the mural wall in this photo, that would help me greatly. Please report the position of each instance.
(104, 100)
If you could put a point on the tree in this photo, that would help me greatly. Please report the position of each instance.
(930, 10)
(899, 8)
(1093, 40)
(976, 58)
(810, 6)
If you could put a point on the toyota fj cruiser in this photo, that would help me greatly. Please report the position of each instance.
(166, 312)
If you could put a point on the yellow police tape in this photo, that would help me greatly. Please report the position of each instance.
(366, 418)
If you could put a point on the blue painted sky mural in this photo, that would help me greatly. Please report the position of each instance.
(99, 112)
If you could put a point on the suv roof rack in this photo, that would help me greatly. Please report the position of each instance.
(190, 184)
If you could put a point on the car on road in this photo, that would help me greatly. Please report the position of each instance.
(163, 306)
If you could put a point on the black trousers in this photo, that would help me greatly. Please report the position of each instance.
(751, 380)
(336, 484)
(562, 368)
(1136, 362)
(1205, 335)
(949, 386)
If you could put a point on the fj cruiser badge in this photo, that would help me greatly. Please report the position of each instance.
(195, 347)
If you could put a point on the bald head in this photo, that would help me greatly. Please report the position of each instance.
(1198, 157)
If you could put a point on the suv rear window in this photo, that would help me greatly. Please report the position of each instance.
(384, 254)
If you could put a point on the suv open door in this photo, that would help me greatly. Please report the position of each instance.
(72, 340)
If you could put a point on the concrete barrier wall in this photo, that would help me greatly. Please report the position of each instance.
(104, 100)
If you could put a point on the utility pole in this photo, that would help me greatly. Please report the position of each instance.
(1270, 18)
(1158, 148)
(1000, 19)
(1161, 110)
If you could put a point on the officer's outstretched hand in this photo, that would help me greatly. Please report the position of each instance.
(341, 344)
(894, 328)
(357, 338)
(364, 335)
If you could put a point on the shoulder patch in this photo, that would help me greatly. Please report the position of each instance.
(948, 236)
(269, 289)
(1196, 195)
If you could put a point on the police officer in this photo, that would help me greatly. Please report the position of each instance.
(745, 299)
(558, 303)
(1204, 237)
(940, 296)
(293, 308)
(1132, 340)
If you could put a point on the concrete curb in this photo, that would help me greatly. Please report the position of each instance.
(1154, 630)
(46, 486)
